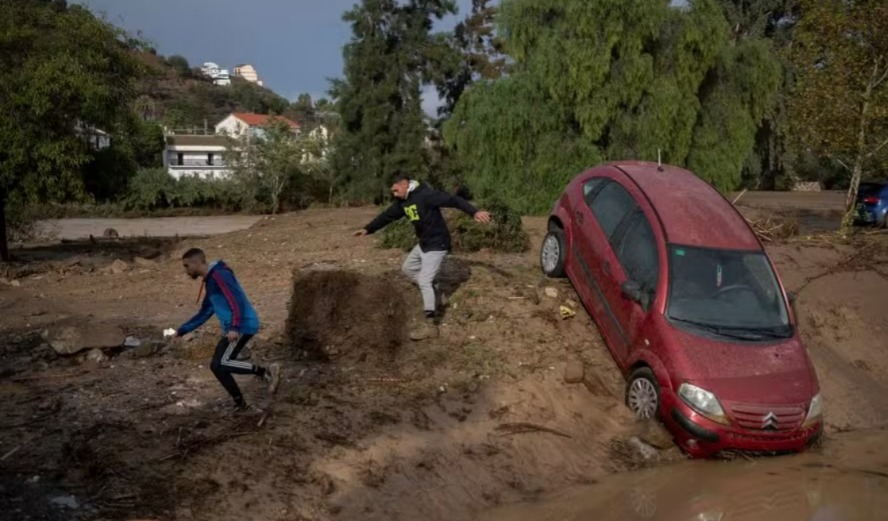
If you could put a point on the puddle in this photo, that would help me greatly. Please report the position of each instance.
(845, 481)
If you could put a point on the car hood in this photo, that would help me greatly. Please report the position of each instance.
(748, 372)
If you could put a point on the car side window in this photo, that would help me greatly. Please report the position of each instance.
(610, 205)
(636, 249)
(589, 189)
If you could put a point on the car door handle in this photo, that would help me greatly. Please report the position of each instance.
(579, 216)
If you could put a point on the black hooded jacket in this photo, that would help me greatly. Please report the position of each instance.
(423, 208)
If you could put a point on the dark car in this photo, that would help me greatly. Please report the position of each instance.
(872, 204)
(689, 305)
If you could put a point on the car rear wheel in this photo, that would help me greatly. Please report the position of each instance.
(643, 393)
(552, 253)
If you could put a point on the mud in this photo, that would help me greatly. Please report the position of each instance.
(385, 429)
(347, 316)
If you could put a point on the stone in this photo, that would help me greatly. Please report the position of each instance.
(574, 372)
(119, 266)
(142, 262)
(15, 283)
(73, 338)
(145, 350)
(131, 341)
(644, 450)
(551, 292)
(96, 356)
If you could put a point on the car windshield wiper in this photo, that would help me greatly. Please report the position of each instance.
(768, 332)
(739, 333)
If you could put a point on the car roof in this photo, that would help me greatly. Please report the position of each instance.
(692, 212)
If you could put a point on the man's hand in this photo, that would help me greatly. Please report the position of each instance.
(360, 233)
(482, 217)
(233, 336)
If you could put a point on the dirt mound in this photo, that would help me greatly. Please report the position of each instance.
(343, 315)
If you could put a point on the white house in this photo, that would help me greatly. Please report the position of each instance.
(239, 124)
(96, 138)
(248, 72)
(194, 155)
(218, 75)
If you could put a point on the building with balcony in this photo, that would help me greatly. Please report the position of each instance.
(195, 155)
(248, 72)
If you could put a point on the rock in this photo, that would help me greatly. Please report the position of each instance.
(574, 372)
(644, 450)
(132, 341)
(145, 350)
(71, 339)
(110, 233)
(142, 262)
(551, 292)
(65, 501)
(118, 267)
(571, 303)
(15, 283)
(96, 356)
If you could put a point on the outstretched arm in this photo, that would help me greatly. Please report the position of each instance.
(390, 215)
(206, 311)
(445, 200)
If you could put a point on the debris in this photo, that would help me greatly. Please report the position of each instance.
(119, 266)
(567, 312)
(551, 292)
(142, 262)
(96, 356)
(571, 303)
(654, 434)
(145, 350)
(644, 450)
(169, 332)
(65, 501)
(522, 427)
(574, 372)
(71, 339)
(110, 233)
(10, 453)
(132, 341)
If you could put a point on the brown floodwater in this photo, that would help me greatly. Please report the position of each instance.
(846, 480)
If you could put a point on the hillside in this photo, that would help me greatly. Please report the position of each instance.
(180, 97)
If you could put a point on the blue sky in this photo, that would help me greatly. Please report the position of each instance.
(295, 45)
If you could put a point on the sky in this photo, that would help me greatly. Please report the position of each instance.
(295, 45)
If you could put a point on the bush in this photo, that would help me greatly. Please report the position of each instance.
(155, 189)
(505, 234)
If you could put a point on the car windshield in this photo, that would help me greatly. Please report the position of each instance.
(725, 292)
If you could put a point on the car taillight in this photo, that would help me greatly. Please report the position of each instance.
(870, 199)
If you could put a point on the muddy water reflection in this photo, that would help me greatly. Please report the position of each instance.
(848, 480)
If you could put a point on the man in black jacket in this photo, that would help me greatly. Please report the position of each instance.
(422, 204)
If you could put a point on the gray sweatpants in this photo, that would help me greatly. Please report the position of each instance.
(422, 267)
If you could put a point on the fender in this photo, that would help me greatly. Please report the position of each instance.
(561, 213)
(648, 358)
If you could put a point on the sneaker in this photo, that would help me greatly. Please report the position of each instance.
(273, 377)
(426, 330)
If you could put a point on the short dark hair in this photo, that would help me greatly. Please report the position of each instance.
(397, 178)
(194, 253)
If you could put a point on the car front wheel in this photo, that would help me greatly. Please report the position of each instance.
(552, 254)
(643, 393)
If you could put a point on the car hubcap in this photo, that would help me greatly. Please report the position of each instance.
(643, 398)
(551, 253)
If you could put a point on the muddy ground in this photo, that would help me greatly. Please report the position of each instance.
(366, 425)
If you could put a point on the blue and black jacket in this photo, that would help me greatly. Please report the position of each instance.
(225, 298)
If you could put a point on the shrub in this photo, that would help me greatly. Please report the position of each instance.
(505, 234)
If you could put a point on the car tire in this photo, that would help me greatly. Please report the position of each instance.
(553, 254)
(643, 394)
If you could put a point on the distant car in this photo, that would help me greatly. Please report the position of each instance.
(872, 204)
(690, 307)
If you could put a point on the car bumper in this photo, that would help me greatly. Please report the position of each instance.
(701, 437)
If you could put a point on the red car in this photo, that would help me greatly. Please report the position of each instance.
(690, 307)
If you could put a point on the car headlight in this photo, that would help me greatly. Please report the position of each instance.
(815, 411)
(703, 402)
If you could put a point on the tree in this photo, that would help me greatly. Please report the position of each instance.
(267, 162)
(53, 96)
(379, 98)
(180, 65)
(303, 110)
(840, 103)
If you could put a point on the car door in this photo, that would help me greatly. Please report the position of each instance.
(635, 250)
(580, 221)
(607, 207)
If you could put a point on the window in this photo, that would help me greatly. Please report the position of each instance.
(636, 250)
(610, 205)
(180, 159)
(210, 159)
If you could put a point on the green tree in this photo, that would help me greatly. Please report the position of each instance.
(266, 162)
(840, 103)
(303, 110)
(180, 65)
(51, 95)
(379, 99)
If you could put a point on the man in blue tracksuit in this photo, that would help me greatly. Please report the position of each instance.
(226, 299)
